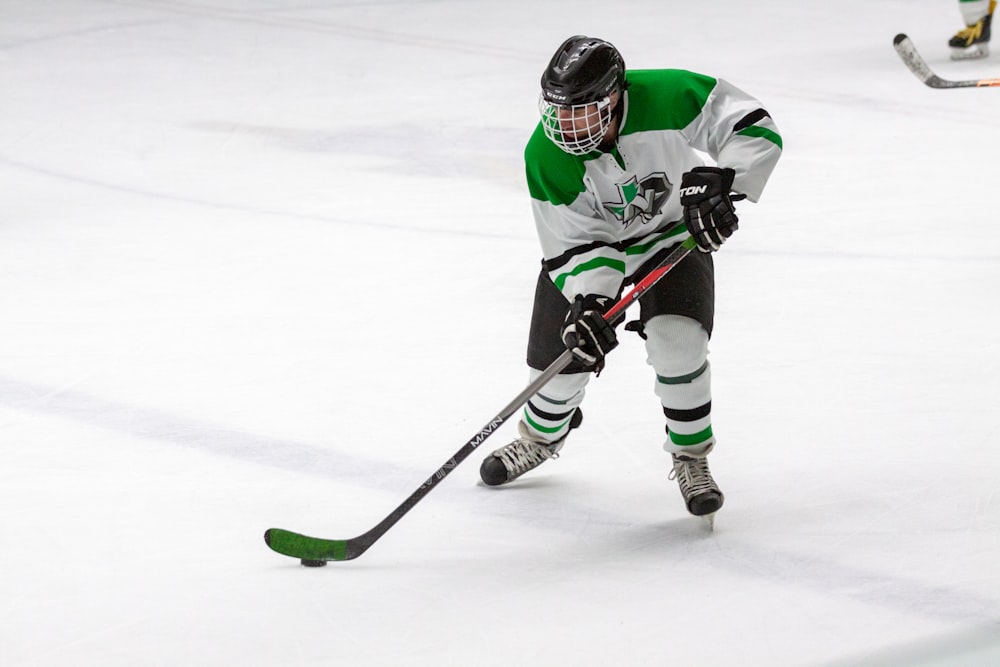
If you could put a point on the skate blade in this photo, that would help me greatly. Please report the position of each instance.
(710, 521)
(973, 52)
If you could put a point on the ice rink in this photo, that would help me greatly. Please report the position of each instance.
(271, 263)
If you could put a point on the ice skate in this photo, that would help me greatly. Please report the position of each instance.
(701, 494)
(525, 453)
(973, 41)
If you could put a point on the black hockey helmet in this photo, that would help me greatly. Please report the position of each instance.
(583, 70)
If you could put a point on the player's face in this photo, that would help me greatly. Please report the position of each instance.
(581, 122)
(579, 128)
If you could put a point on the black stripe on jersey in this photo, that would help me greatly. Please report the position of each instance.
(751, 119)
(621, 246)
(689, 415)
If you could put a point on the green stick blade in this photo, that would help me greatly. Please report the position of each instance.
(304, 547)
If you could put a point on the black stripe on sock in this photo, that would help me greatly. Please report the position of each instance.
(691, 415)
(548, 416)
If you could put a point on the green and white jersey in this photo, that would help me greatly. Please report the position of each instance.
(600, 216)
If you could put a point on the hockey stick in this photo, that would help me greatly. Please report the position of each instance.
(315, 551)
(912, 58)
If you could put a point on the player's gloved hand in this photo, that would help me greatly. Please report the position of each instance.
(587, 334)
(708, 206)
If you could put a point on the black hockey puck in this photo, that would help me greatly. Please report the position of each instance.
(313, 563)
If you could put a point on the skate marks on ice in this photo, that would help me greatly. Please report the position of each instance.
(219, 205)
(212, 438)
(490, 154)
(616, 535)
(609, 535)
(968, 647)
(689, 541)
(314, 24)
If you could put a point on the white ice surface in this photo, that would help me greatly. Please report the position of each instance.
(271, 264)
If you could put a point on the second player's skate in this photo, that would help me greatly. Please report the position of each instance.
(974, 40)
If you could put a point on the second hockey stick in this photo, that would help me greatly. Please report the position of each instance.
(912, 58)
(316, 551)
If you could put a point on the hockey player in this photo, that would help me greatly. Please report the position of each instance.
(616, 181)
(973, 41)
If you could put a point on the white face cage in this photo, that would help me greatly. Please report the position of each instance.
(578, 129)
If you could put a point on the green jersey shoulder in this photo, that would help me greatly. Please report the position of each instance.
(662, 99)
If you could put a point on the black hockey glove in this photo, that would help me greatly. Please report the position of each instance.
(708, 206)
(587, 334)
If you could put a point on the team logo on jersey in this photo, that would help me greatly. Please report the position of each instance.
(640, 200)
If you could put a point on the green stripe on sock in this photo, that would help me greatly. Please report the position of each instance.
(682, 440)
(538, 427)
(682, 379)
(554, 401)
